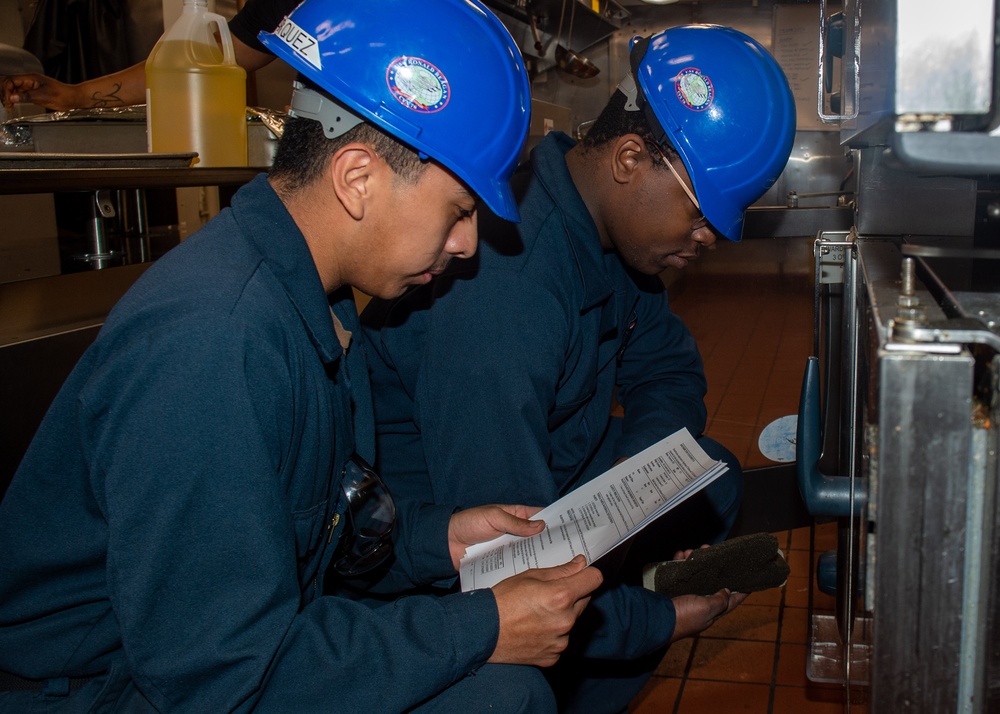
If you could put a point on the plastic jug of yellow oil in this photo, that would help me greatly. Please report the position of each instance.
(195, 91)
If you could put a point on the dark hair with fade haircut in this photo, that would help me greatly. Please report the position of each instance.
(304, 150)
(614, 122)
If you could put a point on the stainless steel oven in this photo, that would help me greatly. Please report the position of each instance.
(898, 435)
(914, 486)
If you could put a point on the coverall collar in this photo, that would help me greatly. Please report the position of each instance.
(283, 249)
(549, 162)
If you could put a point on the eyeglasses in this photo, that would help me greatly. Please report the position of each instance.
(366, 539)
(701, 222)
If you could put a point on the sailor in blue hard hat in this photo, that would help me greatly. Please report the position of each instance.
(451, 92)
(501, 378)
(179, 535)
(713, 97)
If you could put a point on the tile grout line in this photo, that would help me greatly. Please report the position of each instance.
(777, 642)
(684, 676)
(777, 649)
(775, 317)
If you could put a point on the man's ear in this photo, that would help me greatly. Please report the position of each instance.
(351, 174)
(626, 157)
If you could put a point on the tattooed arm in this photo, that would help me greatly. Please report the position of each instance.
(112, 90)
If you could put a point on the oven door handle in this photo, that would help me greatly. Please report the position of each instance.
(823, 495)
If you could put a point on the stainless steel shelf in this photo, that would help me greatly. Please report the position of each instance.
(17, 181)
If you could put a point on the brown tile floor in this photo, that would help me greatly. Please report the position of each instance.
(754, 659)
(755, 333)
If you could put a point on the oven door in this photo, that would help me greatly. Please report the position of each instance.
(917, 622)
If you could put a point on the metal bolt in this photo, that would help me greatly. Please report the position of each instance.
(908, 309)
(909, 276)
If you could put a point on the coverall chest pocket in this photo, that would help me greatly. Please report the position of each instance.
(315, 528)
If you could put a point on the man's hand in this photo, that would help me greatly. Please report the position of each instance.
(483, 523)
(538, 608)
(36, 89)
(696, 613)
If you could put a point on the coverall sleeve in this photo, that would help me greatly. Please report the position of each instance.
(489, 368)
(420, 550)
(660, 377)
(202, 554)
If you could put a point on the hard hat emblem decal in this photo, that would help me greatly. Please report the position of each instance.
(417, 84)
(694, 90)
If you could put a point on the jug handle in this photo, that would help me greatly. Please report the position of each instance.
(228, 54)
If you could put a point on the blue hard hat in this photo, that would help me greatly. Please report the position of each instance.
(725, 105)
(442, 76)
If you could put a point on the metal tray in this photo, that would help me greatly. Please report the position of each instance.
(120, 130)
(35, 160)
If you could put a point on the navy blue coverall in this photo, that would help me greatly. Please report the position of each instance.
(165, 539)
(495, 384)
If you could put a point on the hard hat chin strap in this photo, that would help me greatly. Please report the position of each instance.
(336, 119)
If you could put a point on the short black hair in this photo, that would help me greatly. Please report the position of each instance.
(614, 122)
(303, 152)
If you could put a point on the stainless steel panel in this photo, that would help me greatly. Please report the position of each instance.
(816, 171)
(782, 222)
(917, 575)
(894, 201)
(34, 309)
(929, 522)
(45, 326)
(925, 462)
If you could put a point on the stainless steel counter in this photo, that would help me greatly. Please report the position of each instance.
(53, 180)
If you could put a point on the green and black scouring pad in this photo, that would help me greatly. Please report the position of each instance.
(744, 564)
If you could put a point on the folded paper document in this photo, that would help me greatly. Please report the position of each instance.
(600, 514)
